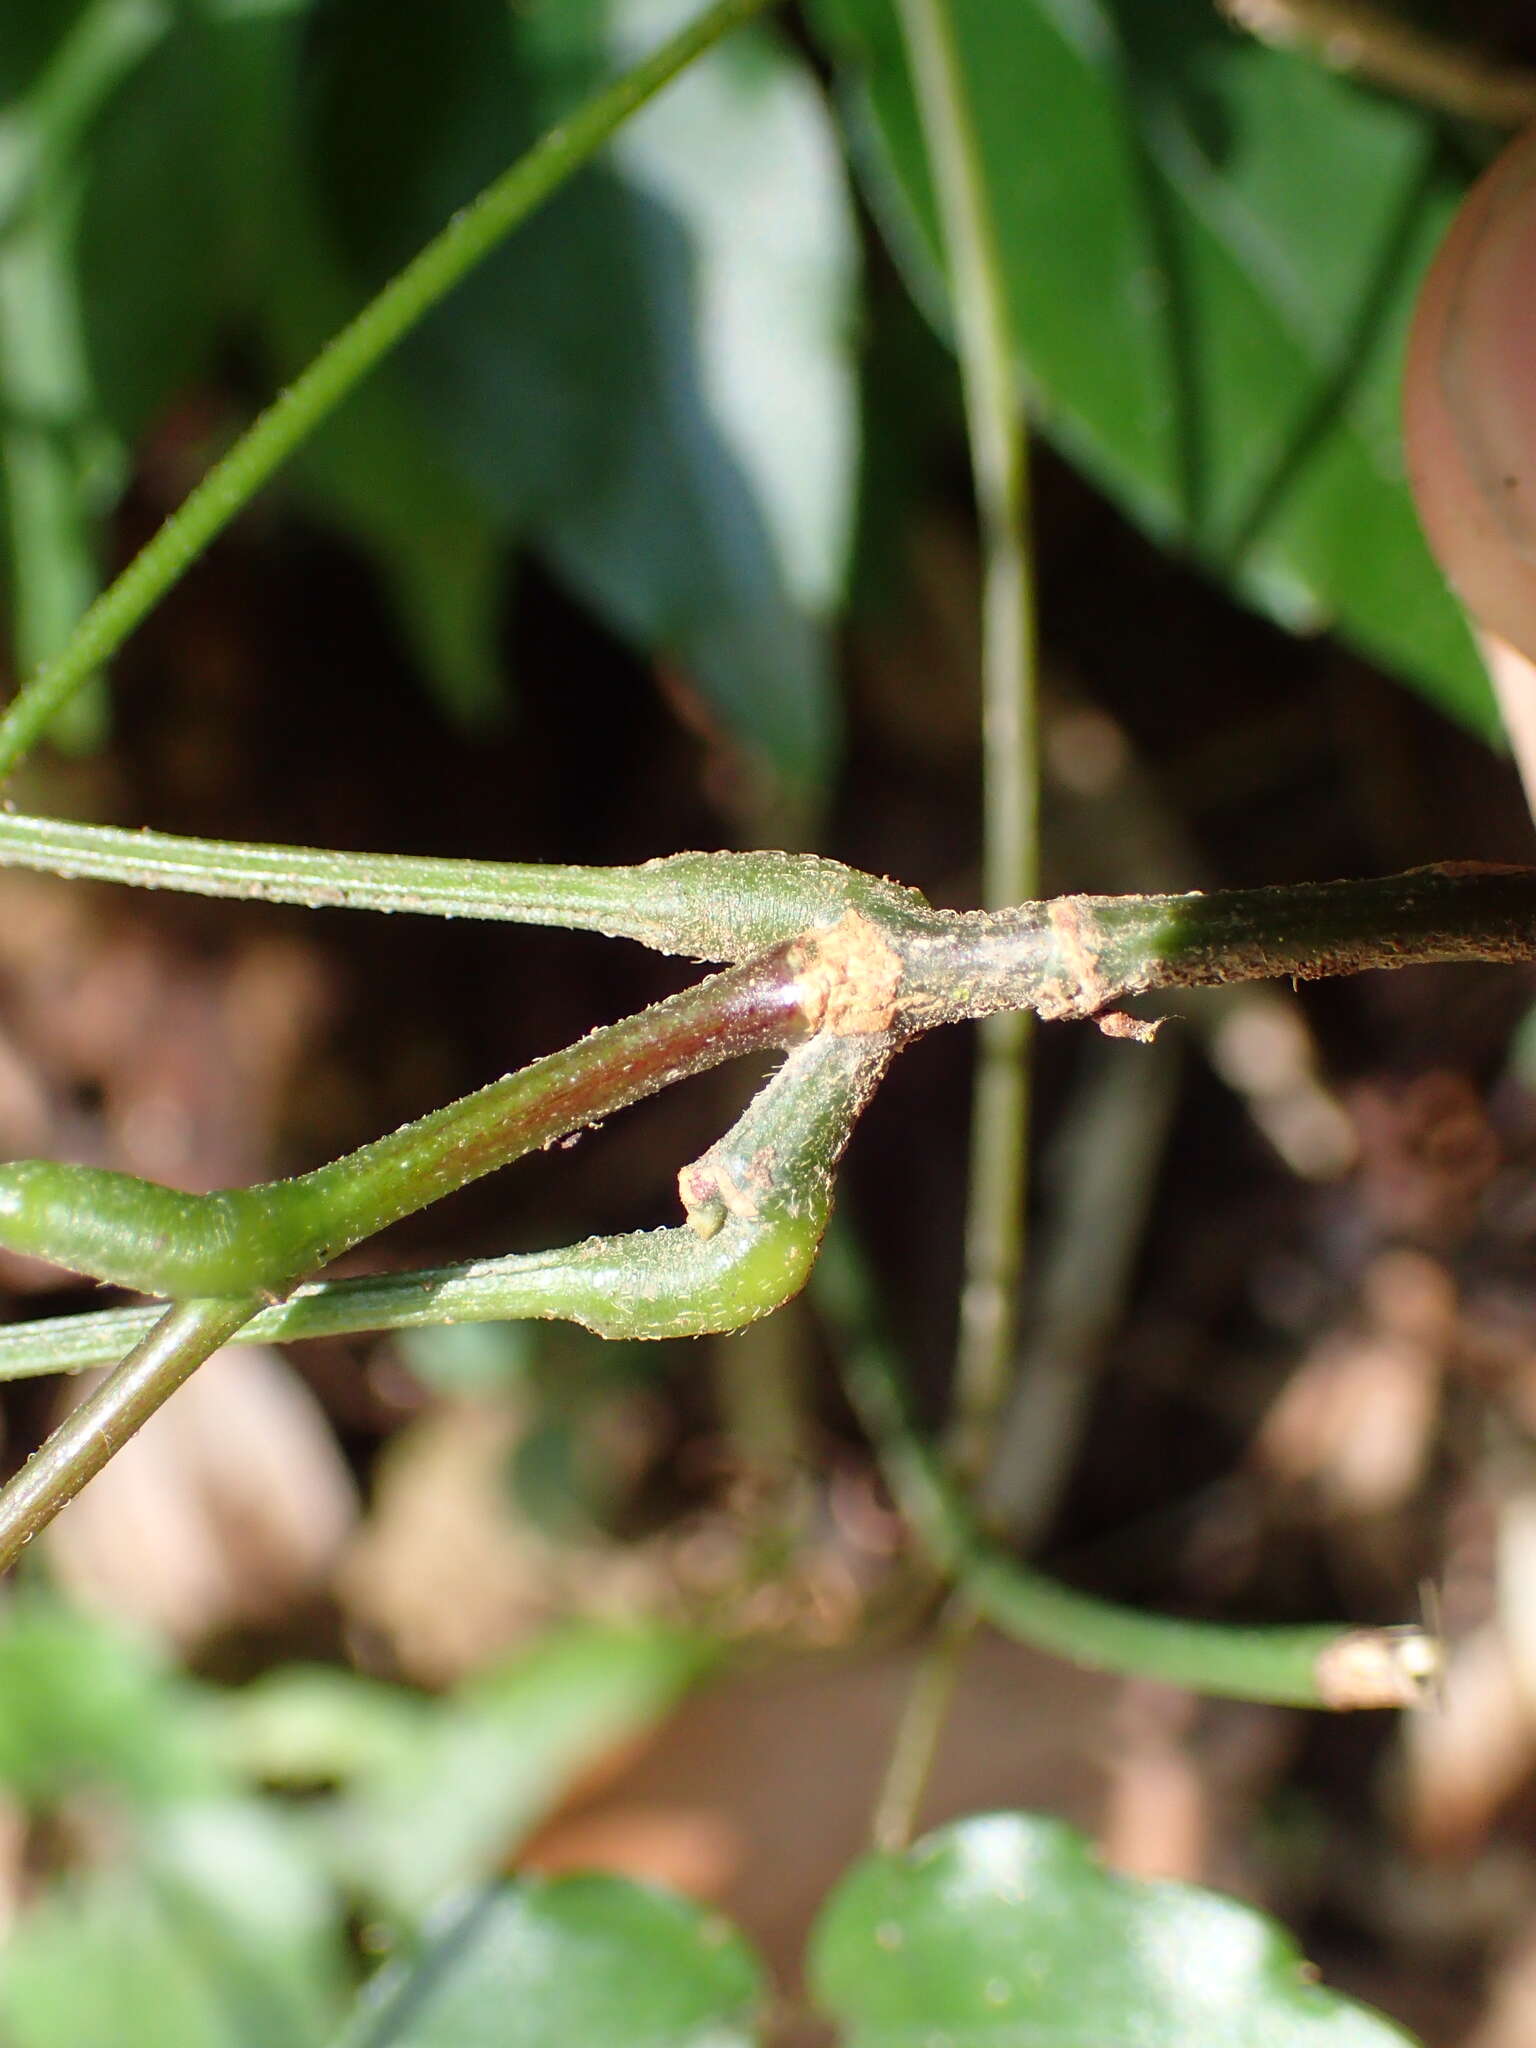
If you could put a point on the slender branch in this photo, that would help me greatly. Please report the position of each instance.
(709, 906)
(162, 1241)
(166, 1356)
(1067, 957)
(1076, 955)
(923, 1714)
(1339, 1668)
(1348, 35)
(998, 1170)
(719, 1271)
(273, 437)
(988, 356)
(757, 1204)
(1106, 1157)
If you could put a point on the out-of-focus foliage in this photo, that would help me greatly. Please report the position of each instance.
(212, 1911)
(1211, 250)
(582, 1959)
(652, 385)
(1003, 1928)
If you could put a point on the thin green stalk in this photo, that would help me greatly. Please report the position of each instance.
(758, 1202)
(159, 1240)
(997, 1183)
(710, 906)
(1326, 1666)
(166, 1356)
(995, 1221)
(778, 1161)
(1366, 42)
(273, 437)
(1077, 956)
(923, 1714)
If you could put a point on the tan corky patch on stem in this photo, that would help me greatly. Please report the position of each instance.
(849, 975)
(1385, 1667)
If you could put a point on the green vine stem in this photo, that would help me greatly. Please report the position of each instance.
(757, 1203)
(248, 1245)
(707, 906)
(1369, 43)
(134, 1233)
(290, 419)
(1337, 1668)
(998, 1171)
(1067, 957)
(167, 1354)
(984, 340)
(1078, 955)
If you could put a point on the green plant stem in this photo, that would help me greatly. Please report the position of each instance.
(1068, 957)
(290, 419)
(159, 1240)
(998, 1172)
(1369, 43)
(300, 1223)
(923, 1714)
(717, 1272)
(1326, 1666)
(180, 1339)
(995, 422)
(709, 906)
(1078, 955)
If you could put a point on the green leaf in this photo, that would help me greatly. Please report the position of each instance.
(573, 1964)
(148, 247)
(1211, 250)
(114, 276)
(61, 72)
(213, 1933)
(373, 471)
(496, 1756)
(83, 1704)
(314, 1724)
(652, 380)
(1003, 1932)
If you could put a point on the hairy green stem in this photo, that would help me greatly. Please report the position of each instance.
(1067, 957)
(1078, 955)
(984, 340)
(709, 906)
(159, 1240)
(757, 1202)
(718, 1272)
(293, 417)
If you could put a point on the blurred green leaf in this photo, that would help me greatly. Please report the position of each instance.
(83, 1705)
(373, 471)
(1004, 1930)
(1211, 250)
(498, 1755)
(313, 1724)
(574, 1964)
(62, 69)
(652, 380)
(148, 245)
(471, 1358)
(211, 1933)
